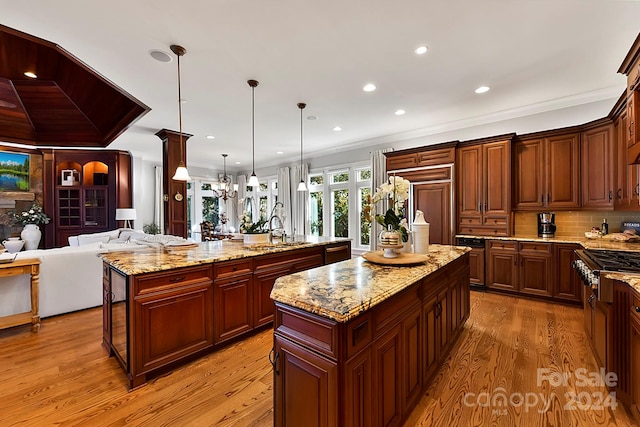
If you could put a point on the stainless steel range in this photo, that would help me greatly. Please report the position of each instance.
(592, 263)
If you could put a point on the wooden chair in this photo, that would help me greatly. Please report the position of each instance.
(207, 231)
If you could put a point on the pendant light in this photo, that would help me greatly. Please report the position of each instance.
(301, 186)
(253, 180)
(181, 171)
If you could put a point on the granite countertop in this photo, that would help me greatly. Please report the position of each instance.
(632, 280)
(601, 243)
(343, 290)
(159, 259)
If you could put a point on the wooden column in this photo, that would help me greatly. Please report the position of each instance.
(174, 192)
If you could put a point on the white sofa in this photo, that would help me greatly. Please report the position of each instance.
(70, 277)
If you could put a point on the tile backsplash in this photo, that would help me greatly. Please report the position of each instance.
(574, 223)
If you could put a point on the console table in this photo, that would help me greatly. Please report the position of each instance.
(29, 266)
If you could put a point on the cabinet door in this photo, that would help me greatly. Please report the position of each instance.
(469, 166)
(597, 191)
(175, 324)
(535, 274)
(601, 333)
(387, 375)
(306, 382)
(430, 338)
(233, 307)
(263, 307)
(444, 320)
(529, 173)
(588, 304)
(412, 366)
(635, 366)
(502, 270)
(106, 314)
(622, 171)
(434, 200)
(632, 126)
(567, 284)
(562, 174)
(496, 161)
(476, 266)
(357, 391)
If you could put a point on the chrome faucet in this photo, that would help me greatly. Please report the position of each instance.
(280, 221)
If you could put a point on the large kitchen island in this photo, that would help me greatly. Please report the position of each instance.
(164, 306)
(356, 343)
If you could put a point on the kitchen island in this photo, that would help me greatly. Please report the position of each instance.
(356, 343)
(163, 306)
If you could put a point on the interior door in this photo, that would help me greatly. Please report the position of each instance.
(434, 200)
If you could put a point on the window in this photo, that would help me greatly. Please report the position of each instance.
(202, 205)
(316, 200)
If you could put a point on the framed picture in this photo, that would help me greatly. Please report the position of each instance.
(14, 171)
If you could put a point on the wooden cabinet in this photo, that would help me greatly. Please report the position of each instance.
(420, 157)
(95, 184)
(631, 68)
(233, 300)
(547, 172)
(383, 359)
(567, 285)
(306, 381)
(434, 200)
(597, 168)
(484, 187)
(336, 252)
(635, 362)
(535, 273)
(502, 269)
(626, 176)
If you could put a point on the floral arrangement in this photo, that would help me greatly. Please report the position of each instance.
(396, 191)
(34, 215)
(247, 226)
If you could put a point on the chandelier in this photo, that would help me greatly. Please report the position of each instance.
(223, 189)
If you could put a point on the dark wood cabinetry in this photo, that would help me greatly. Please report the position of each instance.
(420, 157)
(484, 186)
(374, 368)
(233, 299)
(434, 200)
(597, 167)
(502, 269)
(547, 171)
(82, 191)
(634, 356)
(566, 285)
(535, 273)
(631, 68)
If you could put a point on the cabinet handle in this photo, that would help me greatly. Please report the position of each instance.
(618, 193)
(637, 309)
(273, 359)
(631, 129)
(610, 195)
(485, 207)
(636, 190)
(176, 279)
(515, 261)
(480, 207)
(112, 295)
(521, 262)
(235, 268)
(542, 199)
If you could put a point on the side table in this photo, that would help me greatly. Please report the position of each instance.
(29, 266)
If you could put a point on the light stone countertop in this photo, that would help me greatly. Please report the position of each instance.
(630, 279)
(159, 259)
(343, 290)
(586, 243)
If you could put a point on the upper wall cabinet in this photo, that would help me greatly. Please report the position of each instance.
(547, 172)
(631, 67)
(597, 167)
(484, 186)
(422, 157)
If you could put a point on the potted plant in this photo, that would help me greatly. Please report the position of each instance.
(253, 232)
(394, 223)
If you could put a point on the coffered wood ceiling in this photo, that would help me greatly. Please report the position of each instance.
(68, 104)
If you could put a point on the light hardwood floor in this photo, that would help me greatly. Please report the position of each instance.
(61, 376)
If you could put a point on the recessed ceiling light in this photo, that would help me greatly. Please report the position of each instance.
(421, 50)
(312, 117)
(400, 112)
(483, 89)
(369, 87)
(31, 75)
(337, 128)
(237, 163)
(211, 137)
(160, 55)
(279, 152)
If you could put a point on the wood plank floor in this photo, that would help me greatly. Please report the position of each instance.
(61, 376)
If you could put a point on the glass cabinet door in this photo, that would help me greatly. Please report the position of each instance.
(95, 207)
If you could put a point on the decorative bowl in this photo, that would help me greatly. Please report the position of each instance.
(13, 245)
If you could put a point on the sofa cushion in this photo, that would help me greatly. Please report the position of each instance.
(88, 239)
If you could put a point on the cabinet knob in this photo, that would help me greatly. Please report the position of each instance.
(235, 268)
(619, 193)
(637, 309)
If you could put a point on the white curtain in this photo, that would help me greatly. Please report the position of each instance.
(299, 200)
(238, 202)
(158, 200)
(284, 196)
(378, 177)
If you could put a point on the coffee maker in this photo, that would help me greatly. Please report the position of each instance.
(546, 224)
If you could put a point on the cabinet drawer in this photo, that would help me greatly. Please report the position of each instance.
(337, 253)
(437, 157)
(231, 268)
(359, 333)
(503, 245)
(535, 247)
(158, 281)
(467, 221)
(402, 162)
(315, 332)
(492, 221)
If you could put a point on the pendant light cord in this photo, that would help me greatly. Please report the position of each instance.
(300, 142)
(253, 130)
(180, 109)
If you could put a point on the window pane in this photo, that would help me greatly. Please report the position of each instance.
(263, 207)
(316, 213)
(364, 174)
(248, 206)
(365, 215)
(210, 210)
(340, 177)
(189, 200)
(263, 186)
(205, 186)
(341, 213)
(315, 179)
(189, 185)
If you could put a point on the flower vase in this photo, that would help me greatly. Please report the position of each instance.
(255, 239)
(31, 235)
(389, 240)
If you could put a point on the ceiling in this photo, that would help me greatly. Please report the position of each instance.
(535, 55)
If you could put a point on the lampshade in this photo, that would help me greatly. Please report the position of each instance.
(301, 186)
(253, 181)
(125, 214)
(181, 172)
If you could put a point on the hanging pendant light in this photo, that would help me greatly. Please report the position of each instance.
(181, 171)
(253, 180)
(301, 186)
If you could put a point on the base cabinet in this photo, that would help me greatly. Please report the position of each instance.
(635, 367)
(376, 365)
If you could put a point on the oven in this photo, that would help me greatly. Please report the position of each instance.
(592, 264)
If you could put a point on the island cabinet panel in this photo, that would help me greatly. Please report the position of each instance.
(384, 357)
(263, 280)
(337, 252)
(635, 362)
(233, 307)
